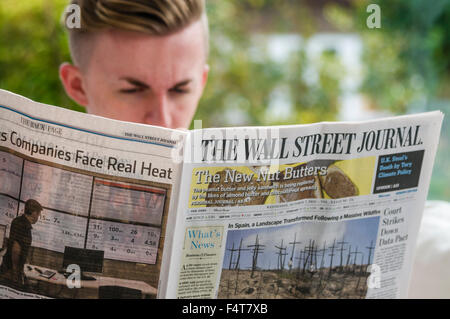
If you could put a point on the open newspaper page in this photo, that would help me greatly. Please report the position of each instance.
(328, 210)
(106, 188)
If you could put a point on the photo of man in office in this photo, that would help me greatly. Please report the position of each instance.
(19, 243)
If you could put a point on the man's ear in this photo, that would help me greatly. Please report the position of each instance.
(205, 75)
(72, 81)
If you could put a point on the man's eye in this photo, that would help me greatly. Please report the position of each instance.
(133, 90)
(179, 90)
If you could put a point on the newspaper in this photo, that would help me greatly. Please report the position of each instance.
(327, 210)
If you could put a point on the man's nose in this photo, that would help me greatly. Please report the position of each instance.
(158, 112)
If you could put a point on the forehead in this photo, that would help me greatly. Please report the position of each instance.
(147, 57)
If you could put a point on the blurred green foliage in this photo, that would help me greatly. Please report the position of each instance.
(32, 46)
(406, 61)
(243, 75)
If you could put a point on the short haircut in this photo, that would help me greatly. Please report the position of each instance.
(31, 206)
(152, 17)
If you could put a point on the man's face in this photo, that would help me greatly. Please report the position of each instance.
(34, 217)
(135, 77)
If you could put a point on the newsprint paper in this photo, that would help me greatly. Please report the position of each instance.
(327, 210)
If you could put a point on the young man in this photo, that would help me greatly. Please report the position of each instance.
(19, 244)
(139, 60)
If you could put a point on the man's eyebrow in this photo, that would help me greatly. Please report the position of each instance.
(135, 82)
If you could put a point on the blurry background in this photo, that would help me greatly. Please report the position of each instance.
(277, 62)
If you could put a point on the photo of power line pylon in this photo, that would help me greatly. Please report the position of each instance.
(256, 249)
(300, 260)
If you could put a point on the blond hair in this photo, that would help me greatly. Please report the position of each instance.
(152, 17)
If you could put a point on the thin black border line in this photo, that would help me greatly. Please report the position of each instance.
(89, 213)
(20, 187)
